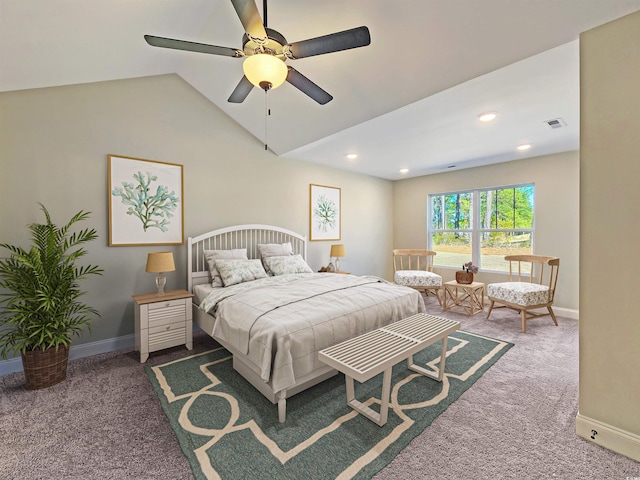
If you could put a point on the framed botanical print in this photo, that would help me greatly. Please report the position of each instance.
(146, 203)
(325, 213)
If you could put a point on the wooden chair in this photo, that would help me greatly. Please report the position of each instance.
(414, 268)
(524, 295)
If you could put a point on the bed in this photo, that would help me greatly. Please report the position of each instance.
(273, 313)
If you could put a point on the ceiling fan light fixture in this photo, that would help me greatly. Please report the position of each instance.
(265, 71)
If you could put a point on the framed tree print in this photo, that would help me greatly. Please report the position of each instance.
(146, 204)
(325, 213)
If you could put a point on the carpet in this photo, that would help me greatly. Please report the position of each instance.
(228, 430)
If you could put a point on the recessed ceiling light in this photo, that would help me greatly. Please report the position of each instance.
(352, 156)
(524, 147)
(487, 116)
(404, 170)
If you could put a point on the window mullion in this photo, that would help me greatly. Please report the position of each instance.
(475, 226)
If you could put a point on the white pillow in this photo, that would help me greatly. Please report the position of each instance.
(273, 250)
(284, 264)
(233, 271)
(212, 255)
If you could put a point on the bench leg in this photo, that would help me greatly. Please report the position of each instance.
(439, 373)
(378, 418)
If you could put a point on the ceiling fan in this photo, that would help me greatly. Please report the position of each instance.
(265, 52)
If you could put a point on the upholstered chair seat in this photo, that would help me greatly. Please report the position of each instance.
(521, 293)
(417, 278)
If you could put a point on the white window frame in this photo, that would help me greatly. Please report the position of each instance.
(475, 231)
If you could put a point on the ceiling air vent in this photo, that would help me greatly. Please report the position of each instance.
(556, 123)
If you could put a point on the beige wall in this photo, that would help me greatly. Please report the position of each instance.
(54, 145)
(610, 229)
(556, 179)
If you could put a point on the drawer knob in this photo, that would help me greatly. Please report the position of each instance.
(168, 304)
(168, 327)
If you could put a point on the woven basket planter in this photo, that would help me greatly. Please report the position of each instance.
(44, 368)
(463, 277)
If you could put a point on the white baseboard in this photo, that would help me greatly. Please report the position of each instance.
(608, 436)
(566, 312)
(77, 351)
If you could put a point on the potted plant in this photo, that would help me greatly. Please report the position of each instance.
(465, 276)
(41, 307)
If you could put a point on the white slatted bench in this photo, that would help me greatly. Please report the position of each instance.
(367, 355)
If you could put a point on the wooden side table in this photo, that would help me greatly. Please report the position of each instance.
(467, 299)
(163, 321)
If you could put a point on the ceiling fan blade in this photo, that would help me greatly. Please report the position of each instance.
(191, 46)
(307, 87)
(241, 91)
(250, 18)
(334, 42)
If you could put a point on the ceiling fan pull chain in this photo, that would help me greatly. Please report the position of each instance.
(267, 112)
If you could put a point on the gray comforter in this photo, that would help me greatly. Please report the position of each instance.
(280, 323)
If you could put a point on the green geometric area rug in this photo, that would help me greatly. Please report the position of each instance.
(228, 430)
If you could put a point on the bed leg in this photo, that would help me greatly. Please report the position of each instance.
(282, 406)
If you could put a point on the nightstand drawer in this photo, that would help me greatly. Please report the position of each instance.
(171, 327)
(167, 312)
(167, 315)
(167, 336)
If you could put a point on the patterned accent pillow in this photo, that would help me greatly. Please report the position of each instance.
(233, 271)
(273, 250)
(212, 255)
(282, 265)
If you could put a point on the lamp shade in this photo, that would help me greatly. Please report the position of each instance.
(337, 251)
(262, 67)
(158, 262)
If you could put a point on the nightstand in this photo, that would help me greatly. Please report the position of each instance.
(163, 321)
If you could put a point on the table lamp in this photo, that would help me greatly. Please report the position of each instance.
(160, 262)
(337, 251)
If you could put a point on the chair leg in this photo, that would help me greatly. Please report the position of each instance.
(438, 296)
(552, 314)
(523, 313)
(490, 308)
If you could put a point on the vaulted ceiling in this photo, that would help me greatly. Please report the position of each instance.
(409, 100)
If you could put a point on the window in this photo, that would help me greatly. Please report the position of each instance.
(481, 225)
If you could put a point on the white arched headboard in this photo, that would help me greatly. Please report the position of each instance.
(237, 236)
